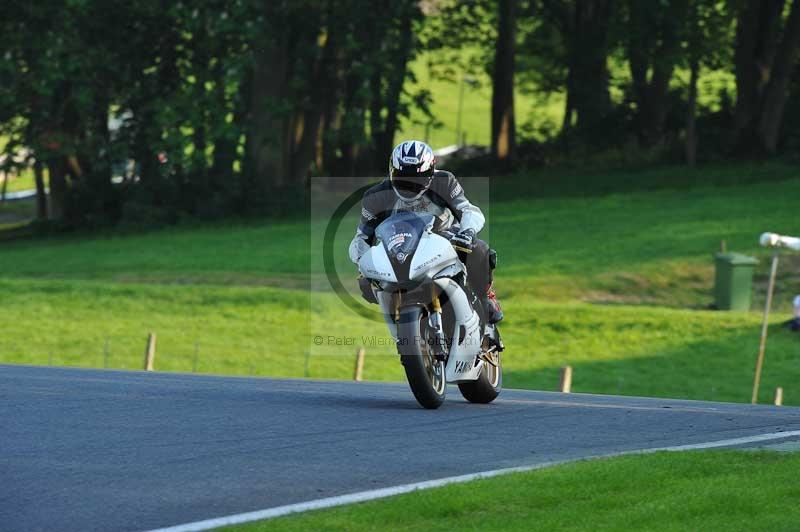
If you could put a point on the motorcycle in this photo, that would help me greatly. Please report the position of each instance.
(420, 281)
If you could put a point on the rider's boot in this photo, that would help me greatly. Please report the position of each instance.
(494, 314)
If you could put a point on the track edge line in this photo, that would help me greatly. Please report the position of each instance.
(382, 493)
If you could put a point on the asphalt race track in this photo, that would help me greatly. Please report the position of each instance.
(106, 450)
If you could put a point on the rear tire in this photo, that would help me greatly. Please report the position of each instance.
(426, 375)
(487, 387)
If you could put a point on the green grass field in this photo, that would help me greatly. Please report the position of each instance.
(536, 110)
(15, 214)
(709, 491)
(537, 114)
(614, 284)
(21, 182)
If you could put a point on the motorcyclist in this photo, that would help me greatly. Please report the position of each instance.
(415, 185)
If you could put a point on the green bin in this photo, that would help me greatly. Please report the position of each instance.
(733, 284)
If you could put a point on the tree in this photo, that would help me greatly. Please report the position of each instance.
(327, 87)
(503, 126)
(765, 57)
(708, 37)
(694, 73)
(570, 45)
(588, 96)
(655, 35)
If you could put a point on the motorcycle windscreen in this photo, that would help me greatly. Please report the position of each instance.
(400, 235)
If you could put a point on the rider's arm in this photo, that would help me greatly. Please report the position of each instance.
(358, 246)
(370, 219)
(468, 215)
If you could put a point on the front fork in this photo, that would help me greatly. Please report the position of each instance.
(435, 323)
(491, 345)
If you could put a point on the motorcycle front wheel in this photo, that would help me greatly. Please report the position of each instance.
(425, 374)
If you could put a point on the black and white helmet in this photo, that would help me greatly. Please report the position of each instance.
(411, 169)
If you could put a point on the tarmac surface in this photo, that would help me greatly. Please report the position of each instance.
(88, 450)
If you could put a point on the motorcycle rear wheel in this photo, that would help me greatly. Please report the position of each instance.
(425, 374)
(487, 386)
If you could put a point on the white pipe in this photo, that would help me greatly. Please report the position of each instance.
(777, 241)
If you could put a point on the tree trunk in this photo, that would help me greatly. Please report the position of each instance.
(201, 61)
(268, 128)
(569, 106)
(323, 156)
(4, 189)
(776, 90)
(588, 66)
(397, 75)
(58, 188)
(41, 193)
(756, 38)
(349, 123)
(691, 126)
(303, 155)
(224, 147)
(97, 160)
(503, 127)
(757, 30)
(653, 48)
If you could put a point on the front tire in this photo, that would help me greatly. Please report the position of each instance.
(425, 374)
(487, 387)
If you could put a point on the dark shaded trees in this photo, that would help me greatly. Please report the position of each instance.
(655, 35)
(571, 42)
(503, 124)
(217, 107)
(331, 74)
(765, 57)
(154, 110)
(589, 42)
(282, 46)
(708, 34)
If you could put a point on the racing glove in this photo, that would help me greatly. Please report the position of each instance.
(463, 240)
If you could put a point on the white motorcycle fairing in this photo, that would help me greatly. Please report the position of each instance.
(420, 283)
(463, 363)
(433, 256)
(375, 264)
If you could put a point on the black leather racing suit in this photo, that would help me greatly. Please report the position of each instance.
(446, 201)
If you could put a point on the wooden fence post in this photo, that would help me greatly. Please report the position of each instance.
(150, 352)
(359, 364)
(762, 346)
(565, 384)
(779, 396)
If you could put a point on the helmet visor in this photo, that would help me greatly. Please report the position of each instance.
(409, 183)
(411, 186)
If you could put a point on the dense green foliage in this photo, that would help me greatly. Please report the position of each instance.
(148, 112)
(201, 109)
(711, 490)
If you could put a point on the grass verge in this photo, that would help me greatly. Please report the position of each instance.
(709, 490)
(614, 284)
